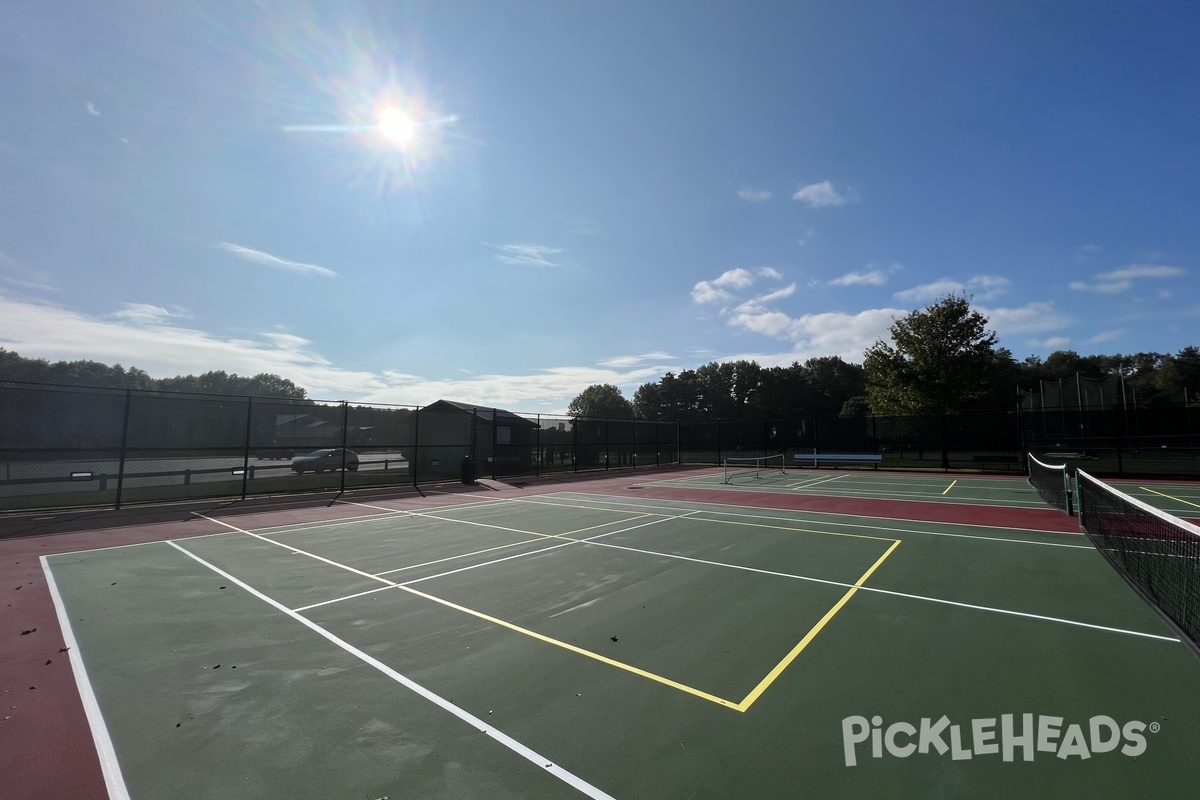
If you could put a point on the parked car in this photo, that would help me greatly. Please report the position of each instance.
(321, 460)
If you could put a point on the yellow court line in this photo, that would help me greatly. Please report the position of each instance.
(1169, 497)
(746, 702)
(762, 686)
(579, 650)
(497, 621)
(951, 486)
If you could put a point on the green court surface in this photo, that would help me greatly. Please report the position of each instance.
(1180, 498)
(573, 644)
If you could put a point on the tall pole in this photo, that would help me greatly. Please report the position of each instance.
(1079, 403)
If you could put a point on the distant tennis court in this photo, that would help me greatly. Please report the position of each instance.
(813, 633)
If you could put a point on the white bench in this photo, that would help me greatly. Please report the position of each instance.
(804, 459)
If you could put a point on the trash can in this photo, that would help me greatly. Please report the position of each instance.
(468, 470)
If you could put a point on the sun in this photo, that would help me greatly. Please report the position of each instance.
(397, 126)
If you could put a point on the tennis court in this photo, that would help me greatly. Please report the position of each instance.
(672, 637)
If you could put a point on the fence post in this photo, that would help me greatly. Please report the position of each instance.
(537, 448)
(1122, 421)
(495, 442)
(415, 458)
(575, 445)
(124, 442)
(246, 449)
(607, 441)
(345, 433)
(1021, 434)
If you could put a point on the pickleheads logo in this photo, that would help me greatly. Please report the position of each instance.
(984, 737)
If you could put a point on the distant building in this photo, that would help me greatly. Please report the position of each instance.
(502, 442)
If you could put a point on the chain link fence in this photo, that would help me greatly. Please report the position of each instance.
(65, 446)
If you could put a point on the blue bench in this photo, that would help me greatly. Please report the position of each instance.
(804, 459)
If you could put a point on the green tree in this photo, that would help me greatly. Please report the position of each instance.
(601, 400)
(941, 358)
(833, 382)
(1179, 376)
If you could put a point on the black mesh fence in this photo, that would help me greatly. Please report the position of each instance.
(66, 446)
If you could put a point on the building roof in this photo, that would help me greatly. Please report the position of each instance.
(481, 413)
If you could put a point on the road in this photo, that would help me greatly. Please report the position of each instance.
(24, 478)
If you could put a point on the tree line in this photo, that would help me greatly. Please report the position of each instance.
(14, 367)
(937, 359)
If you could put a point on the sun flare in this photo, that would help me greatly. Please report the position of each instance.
(397, 126)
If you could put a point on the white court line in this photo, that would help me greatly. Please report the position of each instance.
(795, 521)
(109, 766)
(864, 588)
(300, 527)
(823, 581)
(810, 483)
(541, 762)
(589, 540)
(864, 494)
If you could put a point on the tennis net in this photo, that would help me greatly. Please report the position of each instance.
(752, 466)
(1052, 482)
(1158, 554)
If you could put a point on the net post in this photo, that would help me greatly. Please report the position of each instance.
(1068, 489)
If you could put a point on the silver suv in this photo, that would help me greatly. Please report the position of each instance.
(328, 459)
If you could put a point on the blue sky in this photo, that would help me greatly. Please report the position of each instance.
(568, 193)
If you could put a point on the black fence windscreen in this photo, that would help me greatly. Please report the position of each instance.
(66, 446)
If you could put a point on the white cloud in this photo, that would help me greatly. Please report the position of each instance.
(1087, 252)
(1053, 343)
(635, 360)
(717, 290)
(18, 274)
(734, 279)
(1121, 280)
(820, 195)
(930, 291)
(986, 287)
(266, 259)
(770, 272)
(144, 313)
(875, 277)
(91, 109)
(1107, 336)
(754, 195)
(979, 287)
(778, 294)
(704, 293)
(832, 333)
(1142, 271)
(1029, 318)
(533, 255)
(760, 320)
(42, 330)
